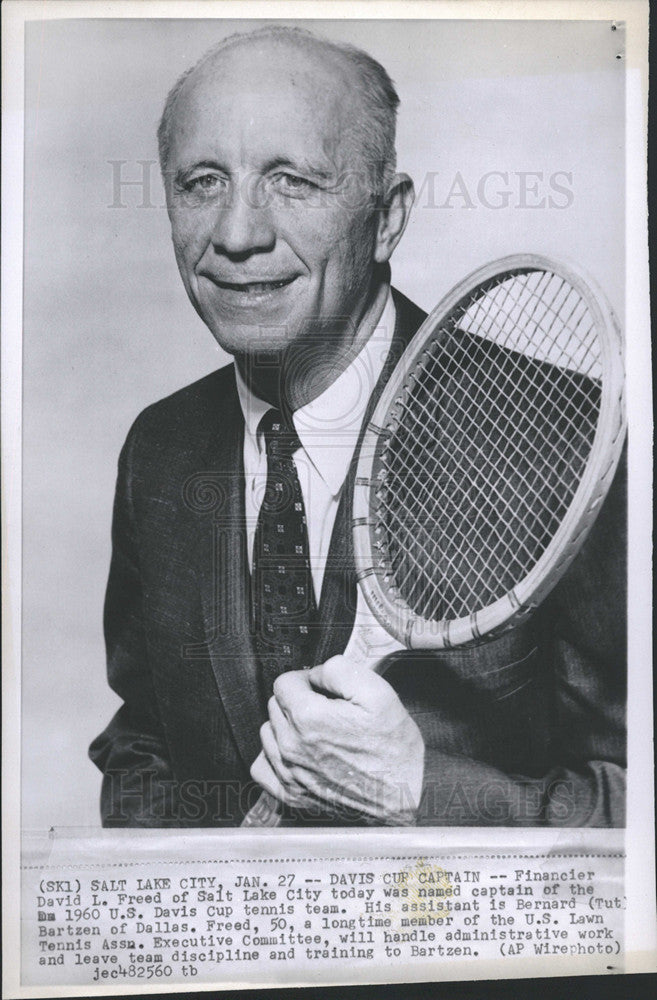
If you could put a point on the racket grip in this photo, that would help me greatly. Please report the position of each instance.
(265, 813)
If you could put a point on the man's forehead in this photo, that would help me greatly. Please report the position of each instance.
(263, 90)
(267, 66)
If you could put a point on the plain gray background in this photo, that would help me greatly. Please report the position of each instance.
(107, 325)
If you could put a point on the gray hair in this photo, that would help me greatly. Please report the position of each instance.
(375, 122)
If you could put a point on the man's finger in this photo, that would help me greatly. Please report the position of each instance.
(293, 692)
(273, 754)
(282, 730)
(263, 773)
(343, 678)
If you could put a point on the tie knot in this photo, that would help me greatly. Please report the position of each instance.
(280, 435)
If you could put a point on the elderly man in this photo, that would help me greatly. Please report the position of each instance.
(232, 567)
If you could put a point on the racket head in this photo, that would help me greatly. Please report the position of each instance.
(489, 453)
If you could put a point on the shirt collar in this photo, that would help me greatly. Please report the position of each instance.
(253, 408)
(328, 426)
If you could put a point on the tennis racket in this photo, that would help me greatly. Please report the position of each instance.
(485, 462)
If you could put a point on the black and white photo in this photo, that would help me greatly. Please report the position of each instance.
(325, 371)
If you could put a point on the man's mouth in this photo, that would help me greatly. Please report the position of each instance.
(254, 287)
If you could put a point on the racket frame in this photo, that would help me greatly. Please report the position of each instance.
(411, 629)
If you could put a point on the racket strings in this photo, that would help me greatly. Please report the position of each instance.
(488, 443)
(501, 410)
(540, 315)
(490, 481)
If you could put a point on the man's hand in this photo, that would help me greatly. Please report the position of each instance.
(338, 734)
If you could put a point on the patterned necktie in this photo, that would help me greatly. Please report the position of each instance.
(284, 608)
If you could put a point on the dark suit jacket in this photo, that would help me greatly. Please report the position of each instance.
(526, 728)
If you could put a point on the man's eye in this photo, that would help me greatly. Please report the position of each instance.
(203, 182)
(292, 184)
(201, 187)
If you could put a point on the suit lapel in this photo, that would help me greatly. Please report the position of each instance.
(224, 585)
(337, 609)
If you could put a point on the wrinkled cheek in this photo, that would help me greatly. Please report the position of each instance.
(187, 252)
(180, 241)
(183, 264)
(189, 232)
(357, 233)
(355, 256)
(183, 238)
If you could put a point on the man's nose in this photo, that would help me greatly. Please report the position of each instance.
(244, 223)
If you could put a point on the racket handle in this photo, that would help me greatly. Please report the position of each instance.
(370, 643)
(265, 813)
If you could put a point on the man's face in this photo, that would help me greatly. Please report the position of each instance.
(272, 241)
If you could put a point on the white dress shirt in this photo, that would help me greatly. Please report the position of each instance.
(328, 428)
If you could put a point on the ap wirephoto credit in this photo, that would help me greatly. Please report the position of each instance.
(334, 509)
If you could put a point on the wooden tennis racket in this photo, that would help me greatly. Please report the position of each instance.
(485, 462)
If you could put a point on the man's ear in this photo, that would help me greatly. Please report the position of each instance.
(394, 211)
